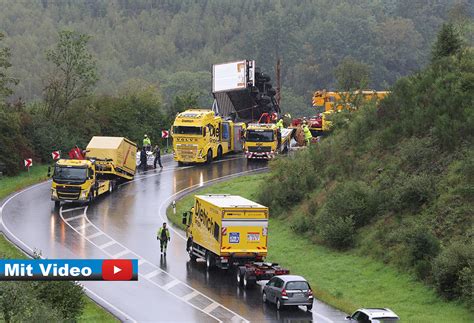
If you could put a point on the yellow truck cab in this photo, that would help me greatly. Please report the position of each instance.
(109, 160)
(199, 136)
(229, 230)
(265, 140)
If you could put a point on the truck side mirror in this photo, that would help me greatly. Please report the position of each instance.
(185, 218)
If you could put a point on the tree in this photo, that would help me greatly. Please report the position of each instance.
(351, 74)
(5, 81)
(448, 42)
(74, 73)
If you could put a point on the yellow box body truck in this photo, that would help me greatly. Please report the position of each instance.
(227, 231)
(199, 136)
(109, 160)
(265, 140)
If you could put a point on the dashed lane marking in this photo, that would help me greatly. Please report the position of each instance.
(211, 307)
(85, 225)
(95, 235)
(105, 245)
(190, 295)
(164, 275)
(171, 284)
(74, 217)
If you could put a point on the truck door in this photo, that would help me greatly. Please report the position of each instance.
(225, 137)
(238, 135)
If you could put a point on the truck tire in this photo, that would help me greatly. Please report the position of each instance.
(209, 156)
(240, 276)
(192, 256)
(210, 261)
(248, 282)
(219, 152)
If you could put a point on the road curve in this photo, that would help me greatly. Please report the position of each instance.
(123, 225)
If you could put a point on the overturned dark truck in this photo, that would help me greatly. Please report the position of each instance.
(242, 92)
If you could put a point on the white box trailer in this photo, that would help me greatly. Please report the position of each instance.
(233, 76)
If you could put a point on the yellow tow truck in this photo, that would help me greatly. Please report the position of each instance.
(230, 231)
(199, 136)
(265, 140)
(109, 160)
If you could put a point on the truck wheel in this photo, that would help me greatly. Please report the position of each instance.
(192, 256)
(248, 281)
(210, 261)
(240, 276)
(219, 152)
(209, 156)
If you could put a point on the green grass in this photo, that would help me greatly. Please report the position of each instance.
(12, 184)
(92, 311)
(342, 279)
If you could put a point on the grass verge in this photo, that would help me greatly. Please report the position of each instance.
(92, 312)
(341, 279)
(12, 184)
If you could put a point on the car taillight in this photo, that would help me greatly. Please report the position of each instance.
(284, 293)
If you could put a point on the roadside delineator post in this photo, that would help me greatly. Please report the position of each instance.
(174, 207)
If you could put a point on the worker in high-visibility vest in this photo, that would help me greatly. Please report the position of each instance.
(147, 143)
(307, 134)
(163, 235)
(279, 124)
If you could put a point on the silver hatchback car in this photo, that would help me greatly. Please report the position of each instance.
(288, 290)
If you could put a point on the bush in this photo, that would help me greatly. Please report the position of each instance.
(422, 245)
(412, 192)
(65, 297)
(338, 232)
(352, 199)
(451, 271)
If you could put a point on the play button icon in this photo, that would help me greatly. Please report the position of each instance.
(117, 269)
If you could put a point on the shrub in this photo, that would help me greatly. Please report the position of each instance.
(422, 245)
(352, 199)
(412, 192)
(65, 297)
(338, 232)
(451, 271)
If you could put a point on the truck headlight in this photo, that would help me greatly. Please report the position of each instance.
(54, 192)
(84, 195)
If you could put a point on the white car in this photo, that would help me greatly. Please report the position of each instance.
(374, 315)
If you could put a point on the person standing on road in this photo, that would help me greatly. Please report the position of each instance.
(157, 152)
(143, 159)
(164, 236)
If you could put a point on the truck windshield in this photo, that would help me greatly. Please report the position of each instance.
(68, 174)
(185, 130)
(259, 135)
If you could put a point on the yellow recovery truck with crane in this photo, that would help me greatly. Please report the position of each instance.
(265, 140)
(228, 231)
(199, 136)
(109, 160)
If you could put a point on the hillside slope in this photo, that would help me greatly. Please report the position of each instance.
(395, 182)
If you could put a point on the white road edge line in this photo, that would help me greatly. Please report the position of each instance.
(152, 274)
(104, 301)
(121, 253)
(95, 235)
(85, 225)
(211, 307)
(190, 295)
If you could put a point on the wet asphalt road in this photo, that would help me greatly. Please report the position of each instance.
(123, 225)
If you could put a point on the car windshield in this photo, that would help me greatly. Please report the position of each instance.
(186, 130)
(385, 319)
(260, 135)
(69, 173)
(297, 285)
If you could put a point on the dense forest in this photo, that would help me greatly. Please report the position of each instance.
(395, 182)
(136, 63)
(173, 44)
